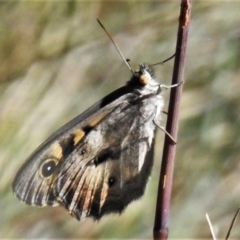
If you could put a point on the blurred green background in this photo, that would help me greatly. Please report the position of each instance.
(56, 61)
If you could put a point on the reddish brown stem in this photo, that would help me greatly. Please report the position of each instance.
(166, 176)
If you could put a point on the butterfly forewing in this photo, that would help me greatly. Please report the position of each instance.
(32, 184)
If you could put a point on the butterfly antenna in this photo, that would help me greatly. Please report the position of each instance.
(164, 60)
(127, 61)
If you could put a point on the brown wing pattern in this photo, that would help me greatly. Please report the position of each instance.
(30, 186)
(97, 166)
(103, 174)
(35, 182)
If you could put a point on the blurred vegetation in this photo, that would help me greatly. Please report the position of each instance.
(55, 61)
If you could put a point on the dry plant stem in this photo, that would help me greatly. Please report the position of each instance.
(232, 223)
(160, 230)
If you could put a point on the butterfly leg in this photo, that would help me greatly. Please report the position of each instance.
(171, 86)
(164, 112)
(168, 134)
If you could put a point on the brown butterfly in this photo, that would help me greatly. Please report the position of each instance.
(101, 160)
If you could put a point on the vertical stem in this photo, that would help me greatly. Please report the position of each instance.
(160, 230)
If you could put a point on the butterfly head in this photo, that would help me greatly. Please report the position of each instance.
(144, 80)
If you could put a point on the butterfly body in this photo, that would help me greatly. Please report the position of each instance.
(100, 161)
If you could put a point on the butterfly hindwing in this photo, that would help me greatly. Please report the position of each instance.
(95, 178)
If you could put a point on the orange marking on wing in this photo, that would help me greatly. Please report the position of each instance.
(78, 135)
(56, 151)
(98, 119)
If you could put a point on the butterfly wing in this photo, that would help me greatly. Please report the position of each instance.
(110, 167)
(35, 182)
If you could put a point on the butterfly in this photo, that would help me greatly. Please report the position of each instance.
(101, 160)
